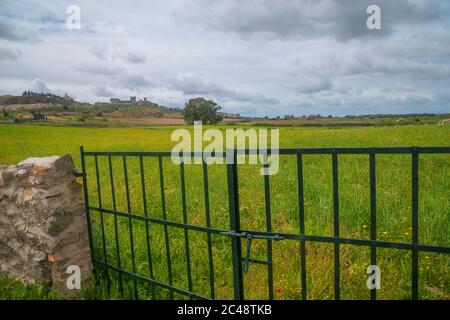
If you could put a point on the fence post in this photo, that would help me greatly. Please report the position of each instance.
(233, 197)
(43, 234)
(86, 205)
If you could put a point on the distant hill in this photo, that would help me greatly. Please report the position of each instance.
(66, 111)
(8, 100)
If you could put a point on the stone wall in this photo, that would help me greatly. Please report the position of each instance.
(42, 223)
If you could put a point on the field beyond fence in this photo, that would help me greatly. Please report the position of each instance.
(393, 184)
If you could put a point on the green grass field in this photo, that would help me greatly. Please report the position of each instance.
(393, 209)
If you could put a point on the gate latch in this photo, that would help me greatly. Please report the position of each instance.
(78, 174)
(249, 236)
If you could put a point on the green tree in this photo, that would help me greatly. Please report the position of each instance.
(200, 109)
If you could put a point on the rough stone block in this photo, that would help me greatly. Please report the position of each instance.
(43, 227)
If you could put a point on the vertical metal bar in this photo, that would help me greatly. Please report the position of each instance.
(166, 231)
(86, 205)
(100, 205)
(116, 228)
(247, 253)
(337, 290)
(268, 228)
(185, 221)
(130, 224)
(301, 213)
(373, 217)
(147, 227)
(415, 224)
(208, 235)
(236, 248)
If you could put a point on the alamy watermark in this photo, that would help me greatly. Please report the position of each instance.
(373, 22)
(74, 280)
(73, 21)
(374, 279)
(220, 149)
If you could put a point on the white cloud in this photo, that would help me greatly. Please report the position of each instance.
(40, 86)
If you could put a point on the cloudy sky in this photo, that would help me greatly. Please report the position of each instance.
(254, 57)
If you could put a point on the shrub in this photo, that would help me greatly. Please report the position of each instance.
(200, 109)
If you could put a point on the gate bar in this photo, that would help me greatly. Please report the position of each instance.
(86, 205)
(293, 151)
(373, 216)
(268, 228)
(301, 213)
(130, 225)
(337, 290)
(415, 224)
(147, 227)
(236, 248)
(116, 228)
(186, 232)
(208, 225)
(99, 195)
(166, 229)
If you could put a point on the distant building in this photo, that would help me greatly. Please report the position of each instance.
(67, 97)
(232, 116)
(132, 100)
(229, 115)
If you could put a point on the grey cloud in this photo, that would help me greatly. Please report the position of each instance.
(102, 91)
(411, 69)
(135, 57)
(105, 53)
(101, 69)
(135, 82)
(100, 52)
(9, 54)
(191, 84)
(373, 102)
(312, 85)
(404, 60)
(12, 32)
(287, 19)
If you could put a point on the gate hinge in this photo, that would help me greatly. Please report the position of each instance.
(78, 174)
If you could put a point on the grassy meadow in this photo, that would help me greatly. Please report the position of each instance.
(393, 210)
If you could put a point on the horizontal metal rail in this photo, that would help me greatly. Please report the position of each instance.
(160, 221)
(318, 151)
(286, 236)
(138, 277)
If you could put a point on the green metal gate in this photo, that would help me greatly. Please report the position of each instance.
(242, 239)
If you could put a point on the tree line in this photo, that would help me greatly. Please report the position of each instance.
(28, 93)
